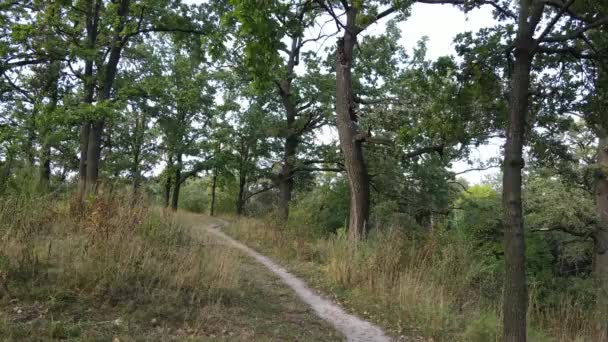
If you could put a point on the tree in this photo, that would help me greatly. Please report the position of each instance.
(272, 65)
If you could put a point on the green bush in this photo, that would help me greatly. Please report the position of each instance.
(194, 196)
(322, 210)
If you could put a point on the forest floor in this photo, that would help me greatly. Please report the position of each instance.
(259, 308)
(352, 327)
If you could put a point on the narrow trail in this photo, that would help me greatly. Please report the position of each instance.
(353, 328)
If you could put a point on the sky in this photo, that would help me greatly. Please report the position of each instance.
(440, 24)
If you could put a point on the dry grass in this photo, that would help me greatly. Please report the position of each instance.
(104, 270)
(413, 287)
(104, 261)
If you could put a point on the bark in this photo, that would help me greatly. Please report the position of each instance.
(167, 197)
(515, 301)
(240, 200)
(45, 155)
(600, 262)
(96, 130)
(177, 182)
(346, 121)
(213, 188)
(82, 168)
(93, 156)
(168, 181)
(285, 180)
(85, 128)
(45, 166)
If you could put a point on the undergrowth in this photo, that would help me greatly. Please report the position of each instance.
(434, 286)
(104, 268)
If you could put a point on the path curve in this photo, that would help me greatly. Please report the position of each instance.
(354, 328)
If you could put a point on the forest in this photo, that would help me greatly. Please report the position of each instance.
(311, 133)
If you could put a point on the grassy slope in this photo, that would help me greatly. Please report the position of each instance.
(136, 285)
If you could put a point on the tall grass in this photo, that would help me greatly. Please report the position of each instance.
(433, 286)
(108, 251)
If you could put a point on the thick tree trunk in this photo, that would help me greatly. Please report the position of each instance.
(213, 189)
(93, 9)
(292, 136)
(240, 200)
(285, 179)
(348, 130)
(82, 168)
(45, 166)
(96, 131)
(177, 183)
(93, 156)
(600, 263)
(45, 153)
(515, 302)
(285, 190)
(167, 195)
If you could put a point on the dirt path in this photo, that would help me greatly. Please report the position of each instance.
(354, 328)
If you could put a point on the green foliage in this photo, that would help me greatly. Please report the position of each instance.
(194, 196)
(321, 211)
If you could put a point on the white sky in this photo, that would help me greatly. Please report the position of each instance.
(440, 24)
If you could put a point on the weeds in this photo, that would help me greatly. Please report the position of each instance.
(433, 286)
(102, 255)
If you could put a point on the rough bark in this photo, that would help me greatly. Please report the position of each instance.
(346, 121)
(168, 181)
(93, 156)
(96, 130)
(89, 85)
(600, 262)
(515, 301)
(213, 189)
(285, 180)
(240, 200)
(82, 168)
(285, 177)
(177, 182)
(45, 166)
(167, 195)
(45, 152)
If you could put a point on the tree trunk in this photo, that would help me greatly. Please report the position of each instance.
(213, 188)
(346, 121)
(285, 190)
(515, 302)
(92, 13)
(45, 166)
(167, 196)
(600, 262)
(285, 180)
(96, 131)
(285, 177)
(45, 153)
(93, 156)
(177, 183)
(82, 168)
(240, 201)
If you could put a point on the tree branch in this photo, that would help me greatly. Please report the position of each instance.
(429, 149)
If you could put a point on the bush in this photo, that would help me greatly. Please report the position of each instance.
(194, 196)
(110, 251)
(320, 211)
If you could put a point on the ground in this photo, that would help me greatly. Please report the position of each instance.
(260, 308)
